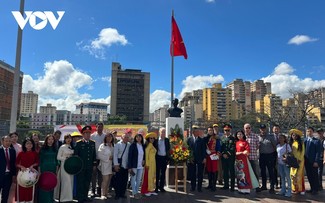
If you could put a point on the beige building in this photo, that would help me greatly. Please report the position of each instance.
(258, 90)
(48, 109)
(273, 107)
(216, 103)
(130, 92)
(191, 103)
(93, 108)
(241, 97)
(28, 103)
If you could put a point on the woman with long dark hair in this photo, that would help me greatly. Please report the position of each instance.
(298, 151)
(105, 155)
(64, 189)
(136, 161)
(48, 163)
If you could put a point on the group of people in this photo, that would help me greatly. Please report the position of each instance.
(239, 158)
(244, 156)
(106, 163)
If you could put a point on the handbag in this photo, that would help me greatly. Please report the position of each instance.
(290, 160)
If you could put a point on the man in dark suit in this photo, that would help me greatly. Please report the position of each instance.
(57, 141)
(162, 159)
(197, 146)
(7, 167)
(312, 157)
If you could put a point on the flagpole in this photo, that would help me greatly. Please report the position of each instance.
(15, 91)
(172, 68)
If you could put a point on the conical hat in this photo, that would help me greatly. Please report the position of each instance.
(27, 178)
(73, 165)
(47, 181)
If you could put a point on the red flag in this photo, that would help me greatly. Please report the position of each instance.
(177, 41)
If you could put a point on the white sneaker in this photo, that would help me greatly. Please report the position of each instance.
(302, 193)
(148, 194)
(154, 193)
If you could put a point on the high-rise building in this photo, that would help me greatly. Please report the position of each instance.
(273, 107)
(258, 90)
(48, 109)
(6, 90)
(130, 91)
(93, 108)
(28, 103)
(216, 103)
(241, 97)
(161, 114)
(189, 104)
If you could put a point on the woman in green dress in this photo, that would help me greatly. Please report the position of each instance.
(48, 162)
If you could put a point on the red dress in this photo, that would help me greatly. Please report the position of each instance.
(242, 171)
(212, 165)
(26, 159)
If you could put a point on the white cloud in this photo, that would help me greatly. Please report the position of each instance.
(158, 99)
(106, 38)
(301, 39)
(199, 82)
(60, 85)
(210, 1)
(284, 80)
(107, 79)
(282, 69)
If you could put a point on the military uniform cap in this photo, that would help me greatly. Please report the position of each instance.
(227, 127)
(85, 129)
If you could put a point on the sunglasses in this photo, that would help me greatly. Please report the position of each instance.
(151, 138)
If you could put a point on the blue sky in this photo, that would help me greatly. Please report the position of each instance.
(279, 41)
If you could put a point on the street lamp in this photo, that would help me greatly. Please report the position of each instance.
(15, 92)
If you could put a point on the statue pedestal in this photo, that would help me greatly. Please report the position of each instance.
(171, 122)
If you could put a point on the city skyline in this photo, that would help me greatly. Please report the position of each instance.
(281, 42)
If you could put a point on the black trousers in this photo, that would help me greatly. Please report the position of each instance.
(83, 183)
(320, 175)
(228, 166)
(267, 161)
(312, 175)
(121, 182)
(5, 185)
(161, 165)
(195, 171)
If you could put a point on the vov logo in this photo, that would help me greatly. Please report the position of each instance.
(43, 18)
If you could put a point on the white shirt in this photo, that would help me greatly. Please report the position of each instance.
(118, 151)
(140, 156)
(99, 139)
(281, 150)
(161, 147)
(4, 151)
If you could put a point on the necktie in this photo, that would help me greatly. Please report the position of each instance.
(7, 159)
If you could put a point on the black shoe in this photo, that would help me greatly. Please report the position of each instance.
(162, 190)
(258, 189)
(314, 192)
(309, 191)
(123, 196)
(263, 188)
(156, 190)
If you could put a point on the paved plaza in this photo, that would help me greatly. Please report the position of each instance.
(221, 196)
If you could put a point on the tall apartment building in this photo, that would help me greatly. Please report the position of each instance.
(130, 91)
(190, 104)
(93, 108)
(241, 97)
(273, 106)
(161, 114)
(48, 109)
(216, 103)
(28, 103)
(6, 89)
(258, 90)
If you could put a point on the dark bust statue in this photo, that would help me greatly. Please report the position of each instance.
(175, 111)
